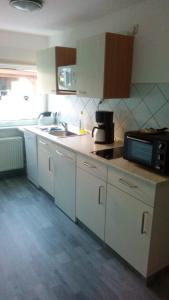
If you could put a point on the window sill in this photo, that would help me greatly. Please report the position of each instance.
(15, 123)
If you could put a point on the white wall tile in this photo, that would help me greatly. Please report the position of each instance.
(164, 87)
(154, 100)
(163, 116)
(152, 123)
(148, 106)
(141, 114)
(144, 89)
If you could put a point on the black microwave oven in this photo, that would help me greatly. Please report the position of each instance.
(148, 149)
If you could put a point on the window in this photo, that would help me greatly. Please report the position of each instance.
(18, 95)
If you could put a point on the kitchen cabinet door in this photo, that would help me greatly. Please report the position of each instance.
(48, 60)
(90, 66)
(46, 67)
(128, 228)
(91, 201)
(64, 180)
(45, 166)
(31, 156)
(104, 66)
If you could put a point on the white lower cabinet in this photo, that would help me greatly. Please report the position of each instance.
(64, 180)
(45, 166)
(128, 227)
(31, 156)
(128, 212)
(137, 221)
(90, 197)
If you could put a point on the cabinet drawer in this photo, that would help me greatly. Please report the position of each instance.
(64, 153)
(136, 187)
(91, 166)
(44, 143)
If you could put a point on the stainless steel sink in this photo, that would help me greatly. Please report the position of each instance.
(58, 132)
(50, 129)
(62, 133)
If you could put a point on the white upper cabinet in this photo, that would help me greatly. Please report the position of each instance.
(46, 66)
(90, 66)
(104, 66)
(48, 60)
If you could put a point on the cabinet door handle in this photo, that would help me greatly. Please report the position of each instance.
(125, 182)
(49, 165)
(59, 153)
(43, 143)
(64, 156)
(81, 92)
(89, 165)
(67, 157)
(99, 196)
(143, 231)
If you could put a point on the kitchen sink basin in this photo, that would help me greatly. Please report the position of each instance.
(62, 133)
(57, 131)
(50, 129)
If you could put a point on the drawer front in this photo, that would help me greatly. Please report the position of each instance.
(136, 187)
(43, 143)
(64, 153)
(91, 166)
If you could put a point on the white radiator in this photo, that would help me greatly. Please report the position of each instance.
(11, 153)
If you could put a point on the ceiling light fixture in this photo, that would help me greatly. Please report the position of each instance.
(26, 5)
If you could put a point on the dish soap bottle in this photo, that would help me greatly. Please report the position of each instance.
(81, 123)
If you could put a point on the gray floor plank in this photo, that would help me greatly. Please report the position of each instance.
(45, 256)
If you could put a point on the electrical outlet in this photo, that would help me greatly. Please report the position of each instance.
(135, 29)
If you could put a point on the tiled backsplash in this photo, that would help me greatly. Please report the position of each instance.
(148, 106)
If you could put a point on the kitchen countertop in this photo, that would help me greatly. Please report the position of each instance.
(84, 145)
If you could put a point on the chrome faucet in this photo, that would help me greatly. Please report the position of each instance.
(65, 125)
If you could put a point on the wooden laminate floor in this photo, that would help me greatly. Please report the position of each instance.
(45, 256)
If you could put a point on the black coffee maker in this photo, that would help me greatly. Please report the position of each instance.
(104, 132)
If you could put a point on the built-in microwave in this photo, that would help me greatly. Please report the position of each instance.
(148, 149)
(66, 78)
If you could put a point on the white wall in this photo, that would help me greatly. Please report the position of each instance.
(151, 53)
(19, 47)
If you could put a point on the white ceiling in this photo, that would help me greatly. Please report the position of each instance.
(57, 14)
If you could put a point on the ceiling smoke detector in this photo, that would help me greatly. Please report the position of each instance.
(26, 5)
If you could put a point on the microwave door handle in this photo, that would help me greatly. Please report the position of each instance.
(61, 77)
(65, 83)
(67, 77)
(139, 140)
(71, 78)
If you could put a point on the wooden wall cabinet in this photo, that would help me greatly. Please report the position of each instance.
(104, 64)
(48, 60)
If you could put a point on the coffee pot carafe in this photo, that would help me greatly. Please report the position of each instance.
(99, 134)
(104, 132)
